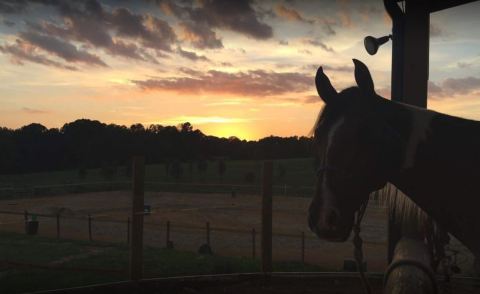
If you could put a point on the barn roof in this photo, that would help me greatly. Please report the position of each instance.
(437, 5)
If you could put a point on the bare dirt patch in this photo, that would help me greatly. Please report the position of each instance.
(231, 221)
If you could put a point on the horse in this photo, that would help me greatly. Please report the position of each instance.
(364, 141)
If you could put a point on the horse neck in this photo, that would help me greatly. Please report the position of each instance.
(435, 145)
(440, 168)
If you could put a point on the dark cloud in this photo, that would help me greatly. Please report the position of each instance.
(191, 55)
(318, 43)
(61, 48)
(311, 99)
(34, 110)
(283, 42)
(461, 86)
(151, 31)
(12, 6)
(252, 83)
(454, 86)
(190, 72)
(200, 36)
(340, 68)
(291, 14)
(305, 51)
(464, 64)
(436, 30)
(119, 32)
(20, 52)
(8, 23)
(433, 89)
(238, 16)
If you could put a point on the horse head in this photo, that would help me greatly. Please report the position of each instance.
(355, 152)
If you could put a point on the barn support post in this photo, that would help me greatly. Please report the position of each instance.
(267, 217)
(136, 243)
(410, 261)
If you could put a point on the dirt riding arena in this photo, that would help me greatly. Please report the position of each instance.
(231, 222)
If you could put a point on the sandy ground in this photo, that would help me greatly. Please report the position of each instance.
(231, 221)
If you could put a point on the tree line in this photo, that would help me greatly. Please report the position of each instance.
(88, 143)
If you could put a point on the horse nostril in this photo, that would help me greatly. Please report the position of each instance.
(331, 218)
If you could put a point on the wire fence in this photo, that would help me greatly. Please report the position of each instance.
(223, 240)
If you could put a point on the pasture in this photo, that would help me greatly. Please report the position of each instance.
(187, 203)
(50, 264)
(291, 172)
(231, 221)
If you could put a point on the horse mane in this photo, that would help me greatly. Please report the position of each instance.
(401, 207)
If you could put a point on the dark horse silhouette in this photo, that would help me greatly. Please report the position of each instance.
(364, 141)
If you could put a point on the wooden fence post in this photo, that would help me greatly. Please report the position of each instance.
(303, 247)
(208, 233)
(58, 225)
(128, 230)
(90, 227)
(136, 244)
(267, 217)
(167, 242)
(254, 234)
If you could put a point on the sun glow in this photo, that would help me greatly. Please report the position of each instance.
(241, 131)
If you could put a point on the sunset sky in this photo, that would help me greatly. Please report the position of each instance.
(230, 68)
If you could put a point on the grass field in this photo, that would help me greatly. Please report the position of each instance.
(30, 263)
(297, 172)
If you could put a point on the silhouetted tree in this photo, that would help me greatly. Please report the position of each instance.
(185, 127)
(87, 144)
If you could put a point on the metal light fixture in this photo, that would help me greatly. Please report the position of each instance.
(372, 44)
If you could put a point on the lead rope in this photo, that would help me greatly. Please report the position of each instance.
(358, 251)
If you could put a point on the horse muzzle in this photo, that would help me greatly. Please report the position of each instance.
(330, 225)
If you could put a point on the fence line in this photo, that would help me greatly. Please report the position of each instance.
(183, 227)
(59, 267)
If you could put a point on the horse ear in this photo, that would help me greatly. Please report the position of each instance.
(324, 87)
(363, 77)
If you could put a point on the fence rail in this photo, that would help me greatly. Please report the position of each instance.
(89, 220)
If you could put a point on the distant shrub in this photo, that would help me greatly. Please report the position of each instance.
(176, 170)
(250, 177)
(128, 169)
(281, 171)
(108, 171)
(222, 167)
(82, 173)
